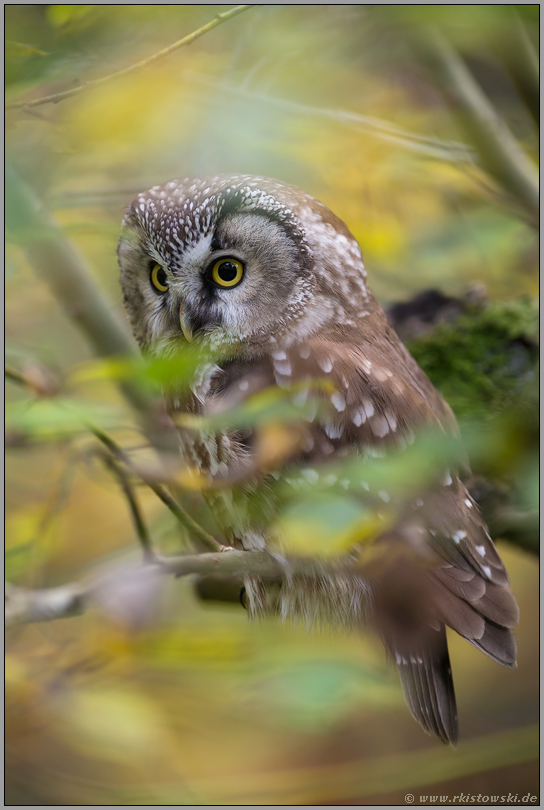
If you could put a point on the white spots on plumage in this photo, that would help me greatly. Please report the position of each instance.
(308, 444)
(282, 366)
(330, 480)
(487, 571)
(304, 352)
(325, 364)
(327, 448)
(382, 374)
(142, 207)
(338, 401)
(310, 475)
(365, 485)
(409, 436)
(481, 550)
(385, 496)
(468, 503)
(333, 431)
(458, 536)
(300, 398)
(374, 452)
(418, 502)
(369, 407)
(279, 355)
(243, 385)
(344, 483)
(380, 426)
(391, 419)
(359, 417)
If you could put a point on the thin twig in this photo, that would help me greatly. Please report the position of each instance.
(454, 151)
(56, 97)
(161, 492)
(17, 376)
(139, 523)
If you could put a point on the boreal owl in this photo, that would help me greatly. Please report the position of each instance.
(270, 278)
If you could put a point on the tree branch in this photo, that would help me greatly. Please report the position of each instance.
(499, 152)
(73, 91)
(137, 518)
(160, 491)
(27, 606)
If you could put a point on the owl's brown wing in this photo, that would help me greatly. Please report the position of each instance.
(451, 573)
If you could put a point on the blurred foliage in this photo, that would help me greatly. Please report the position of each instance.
(155, 697)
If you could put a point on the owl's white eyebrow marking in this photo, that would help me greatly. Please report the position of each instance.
(338, 401)
(458, 536)
(359, 417)
(325, 364)
(481, 550)
(385, 496)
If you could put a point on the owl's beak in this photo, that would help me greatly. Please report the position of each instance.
(185, 328)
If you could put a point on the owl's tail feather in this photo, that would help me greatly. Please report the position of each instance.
(428, 687)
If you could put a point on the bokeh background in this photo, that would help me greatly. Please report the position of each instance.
(189, 703)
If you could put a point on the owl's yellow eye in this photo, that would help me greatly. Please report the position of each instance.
(228, 272)
(159, 279)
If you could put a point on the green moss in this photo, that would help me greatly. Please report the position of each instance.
(485, 360)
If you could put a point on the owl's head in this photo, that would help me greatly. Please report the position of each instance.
(237, 260)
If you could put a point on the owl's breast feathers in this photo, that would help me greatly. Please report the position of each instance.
(444, 567)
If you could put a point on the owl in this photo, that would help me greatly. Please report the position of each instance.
(269, 278)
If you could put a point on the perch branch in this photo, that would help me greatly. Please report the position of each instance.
(27, 606)
(73, 91)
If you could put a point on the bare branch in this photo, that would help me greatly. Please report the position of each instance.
(27, 606)
(161, 492)
(136, 514)
(499, 152)
(73, 91)
(437, 148)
